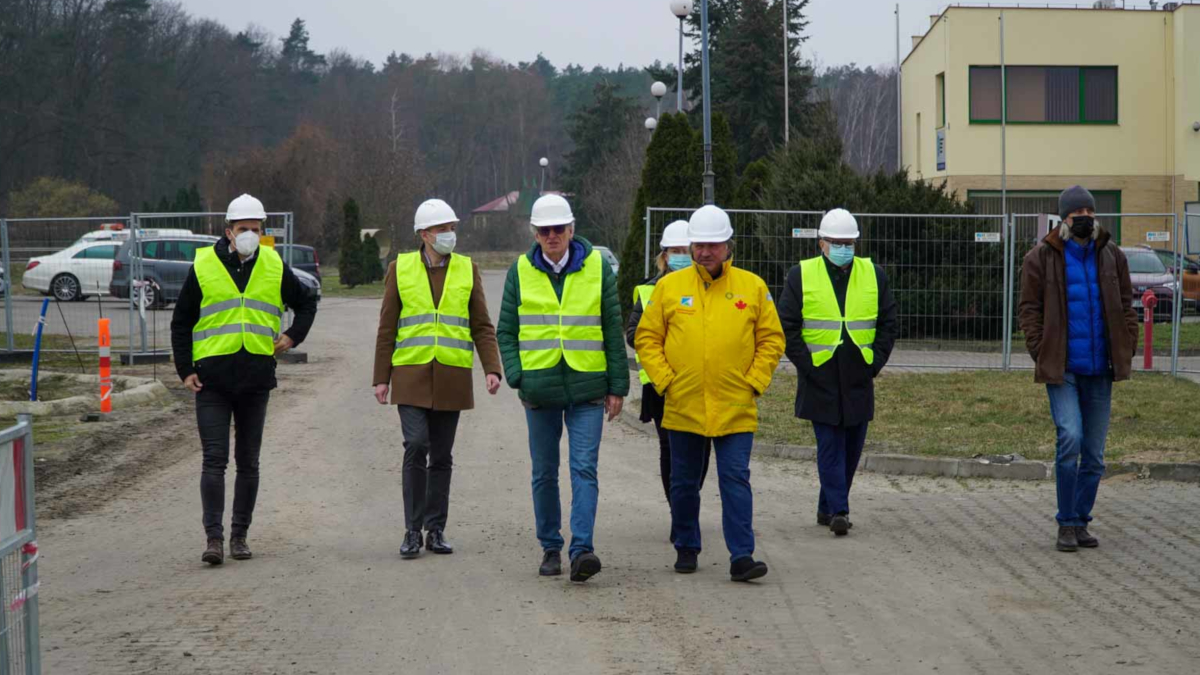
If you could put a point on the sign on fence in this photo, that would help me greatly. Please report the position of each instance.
(804, 233)
(1158, 236)
(987, 237)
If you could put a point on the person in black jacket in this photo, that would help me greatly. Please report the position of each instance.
(235, 385)
(837, 396)
(675, 255)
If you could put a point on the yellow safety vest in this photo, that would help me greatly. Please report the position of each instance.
(642, 293)
(425, 332)
(230, 320)
(551, 330)
(823, 320)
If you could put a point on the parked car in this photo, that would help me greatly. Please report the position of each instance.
(311, 282)
(165, 265)
(1191, 273)
(303, 258)
(3, 282)
(1147, 272)
(609, 258)
(74, 273)
(122, 234)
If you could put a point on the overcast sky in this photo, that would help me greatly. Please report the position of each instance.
(608, 32)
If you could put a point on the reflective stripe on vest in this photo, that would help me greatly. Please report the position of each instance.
(642, 293)
(823, 320)
(230, 320)
(425, 332)
(551, 330)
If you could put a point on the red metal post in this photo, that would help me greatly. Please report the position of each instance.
(1149, 300)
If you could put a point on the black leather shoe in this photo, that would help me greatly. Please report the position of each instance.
(411, 547)
(824, 519)
(551, 564)
(584, 567)
(746, 569)
(1085, 539)
(238, 550)
(215, 553)
(436, 543)
(840, 525)
(1067, 541)
(686, 560)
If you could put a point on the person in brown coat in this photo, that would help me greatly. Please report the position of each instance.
(434, 317)
(1080, 328)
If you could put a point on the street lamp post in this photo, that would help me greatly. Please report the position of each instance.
(682, 9)
(544, 163)
(710, 178)
(651, 125)
(658, 90)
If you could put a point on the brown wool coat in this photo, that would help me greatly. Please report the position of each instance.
(433, 385)
(1042, 312)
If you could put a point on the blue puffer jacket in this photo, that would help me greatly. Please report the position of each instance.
(1087, 342)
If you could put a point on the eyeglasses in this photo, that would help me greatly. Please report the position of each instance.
(556, 229)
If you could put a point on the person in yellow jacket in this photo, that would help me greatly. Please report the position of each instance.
(710, 340)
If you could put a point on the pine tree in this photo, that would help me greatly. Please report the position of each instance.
(372, 267)
(350, 271)
(595, 130)
(195, 205)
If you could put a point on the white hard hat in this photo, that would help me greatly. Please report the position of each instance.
(551, 210)
(676, 234)
(245, 208)
(838, 224)
(433, 212)
(709, 225)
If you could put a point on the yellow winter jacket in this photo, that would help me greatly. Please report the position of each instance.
(711, 348)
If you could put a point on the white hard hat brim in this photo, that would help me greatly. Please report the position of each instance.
(711, 239)
(829, 235)
(425, 226)
(551, 222)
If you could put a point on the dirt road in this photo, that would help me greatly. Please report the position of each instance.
(937, 576)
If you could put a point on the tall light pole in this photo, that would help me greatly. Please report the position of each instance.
(682, 9)
(710, 179)
(544, 163)
(658, 90)
(787, 62)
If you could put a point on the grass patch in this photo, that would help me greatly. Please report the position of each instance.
(495, 260)
(332, 288)
(993, 413)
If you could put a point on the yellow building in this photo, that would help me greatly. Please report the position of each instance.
(1105, 98)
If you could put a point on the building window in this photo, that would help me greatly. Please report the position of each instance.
(1045, 95)
(941, 101)
(1029, 202)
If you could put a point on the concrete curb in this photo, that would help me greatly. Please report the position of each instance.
(142, 392)
(953, 467)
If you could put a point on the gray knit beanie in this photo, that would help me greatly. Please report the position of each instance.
(1073, 199)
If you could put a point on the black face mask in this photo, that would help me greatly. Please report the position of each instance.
(1082, 227)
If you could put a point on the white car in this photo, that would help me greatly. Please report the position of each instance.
(74, 273)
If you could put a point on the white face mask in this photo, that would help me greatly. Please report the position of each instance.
(444, 242)
(246, 243)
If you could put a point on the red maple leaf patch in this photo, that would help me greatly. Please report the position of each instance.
(740, 304)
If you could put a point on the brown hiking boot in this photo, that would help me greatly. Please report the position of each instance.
(238, 550)
(215, 553)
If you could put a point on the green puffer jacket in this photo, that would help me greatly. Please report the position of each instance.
(561, 386)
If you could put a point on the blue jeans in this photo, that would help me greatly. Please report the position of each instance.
(838, 452)
(584, 423)
(1080, 407)
(689, 457)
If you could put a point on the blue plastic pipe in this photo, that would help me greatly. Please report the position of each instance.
(37, 350)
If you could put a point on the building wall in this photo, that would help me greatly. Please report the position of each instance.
(1140, 44)
(1187, 90)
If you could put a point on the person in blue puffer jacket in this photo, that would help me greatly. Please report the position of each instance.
(1087, 341)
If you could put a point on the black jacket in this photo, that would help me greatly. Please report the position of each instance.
(842, 391)
(242, 372)
(653, 403)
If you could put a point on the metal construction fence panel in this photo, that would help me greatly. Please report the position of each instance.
(956, 278)
(946, 273)
(129, 269)
(19, 635)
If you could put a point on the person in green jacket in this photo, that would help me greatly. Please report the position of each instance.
(562, 343)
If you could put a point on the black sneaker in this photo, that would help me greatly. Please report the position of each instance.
(584, 567)
(840, 525)
(746, 569)
(411, 547)
(238, 550)
(551, 564)
(215, 553)
(1085, 539)
(1067, 540)
(685, 560)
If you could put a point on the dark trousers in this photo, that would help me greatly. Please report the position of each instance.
(664, 458)
(838, 451)
(214, 410)
(428, 443)
(688, 452)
